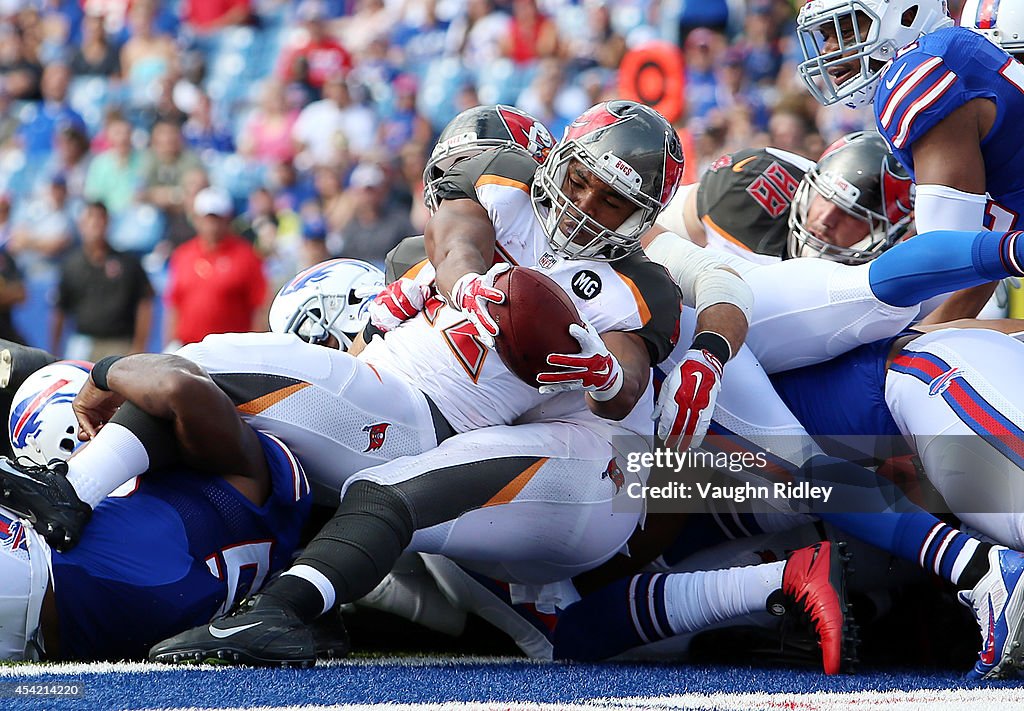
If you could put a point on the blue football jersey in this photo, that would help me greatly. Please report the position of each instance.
(181, 548)
(935, 75)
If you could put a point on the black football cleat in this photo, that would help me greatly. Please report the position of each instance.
(814, 594)
(258, 633)
(43, 495)
(17, 362)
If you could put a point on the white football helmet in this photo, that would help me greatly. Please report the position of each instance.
(1002, 22)
(869, 33)
(42, 425)
(328, 299)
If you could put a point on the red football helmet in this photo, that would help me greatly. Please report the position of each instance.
(633, 149)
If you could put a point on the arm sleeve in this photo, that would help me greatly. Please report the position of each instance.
(942, 261)
(939, 207)
(686, 263)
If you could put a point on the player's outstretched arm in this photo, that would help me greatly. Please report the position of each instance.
(210, 434)
(459, 238)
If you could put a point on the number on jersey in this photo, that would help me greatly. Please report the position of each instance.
(999, 218)
(242, 567)
(773, 189)
(469, 351)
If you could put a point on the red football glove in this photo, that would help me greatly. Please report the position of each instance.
(594, 369)
(398, 302)
(687, 400)
(473, 292)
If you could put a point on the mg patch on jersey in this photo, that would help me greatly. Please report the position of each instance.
(586, 284)
(377, 433)
(942, 382)
(613, 472)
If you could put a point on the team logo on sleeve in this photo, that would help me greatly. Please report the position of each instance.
(942, 382)
(377, 433)
(722, 162)
(586, 284)
(613, 472)
(12, 534)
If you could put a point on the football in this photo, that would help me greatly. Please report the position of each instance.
(533, 322)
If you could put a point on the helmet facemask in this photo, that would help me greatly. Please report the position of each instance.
(341, 316)
(875, 30)
(881, 233)
(564, 223)
(856, 28)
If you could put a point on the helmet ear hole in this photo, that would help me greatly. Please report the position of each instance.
(909, 15)
(67, 445)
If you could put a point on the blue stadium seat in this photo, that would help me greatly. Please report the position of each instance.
(235, 174)
(137, 229)
(500, 82)
(441, 83)
(89, 96)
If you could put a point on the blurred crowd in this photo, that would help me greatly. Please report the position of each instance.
(305, 127)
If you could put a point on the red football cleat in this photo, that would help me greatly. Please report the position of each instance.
(814, 586)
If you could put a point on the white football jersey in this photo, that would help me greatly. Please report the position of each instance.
(439, 352)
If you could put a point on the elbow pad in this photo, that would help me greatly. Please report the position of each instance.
(697, 272)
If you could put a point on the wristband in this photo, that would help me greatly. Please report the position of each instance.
(613, 389)
(714, 343)
(99, 371)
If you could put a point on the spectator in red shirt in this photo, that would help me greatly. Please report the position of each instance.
(321, 54)
(216, 282)
(210, 15)
(531, 35)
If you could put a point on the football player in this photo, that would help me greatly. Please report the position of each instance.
(719, 296)
(476, 495)
(944, 100)
(765, 204)
(169, 550)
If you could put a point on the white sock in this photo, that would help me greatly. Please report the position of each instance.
(113, 457)
(696, 600)
(318, 580)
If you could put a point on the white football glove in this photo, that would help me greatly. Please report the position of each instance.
(687, 400)
(400, 301)
(594, 369)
